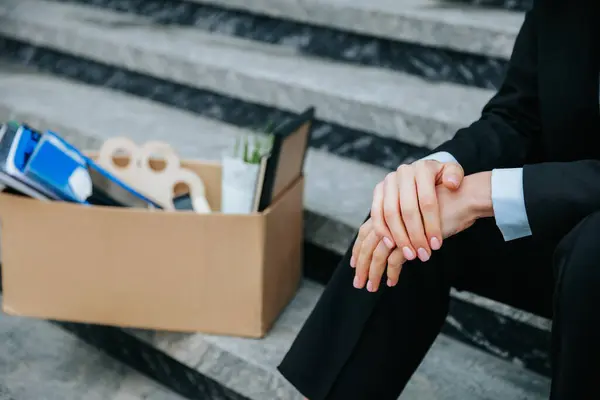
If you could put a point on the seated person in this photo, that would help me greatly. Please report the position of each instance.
(522, 227)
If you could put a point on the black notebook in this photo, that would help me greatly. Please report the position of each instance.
(286, 160)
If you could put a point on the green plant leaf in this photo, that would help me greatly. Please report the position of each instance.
(236, 147)
(245, 156)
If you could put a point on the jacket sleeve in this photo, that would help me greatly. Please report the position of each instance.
(510, 122)
(559, 195)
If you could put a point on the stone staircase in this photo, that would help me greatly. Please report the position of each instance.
(389, 79)
(38, 360)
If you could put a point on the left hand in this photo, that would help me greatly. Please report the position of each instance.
(370, 255)
(459, 209)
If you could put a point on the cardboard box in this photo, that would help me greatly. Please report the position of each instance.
(178, 271)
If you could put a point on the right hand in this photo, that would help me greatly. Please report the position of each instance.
(458, 210)
(405, 209)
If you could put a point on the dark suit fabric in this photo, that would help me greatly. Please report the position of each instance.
(545, 118)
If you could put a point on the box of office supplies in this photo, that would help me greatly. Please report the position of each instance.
(178, 268)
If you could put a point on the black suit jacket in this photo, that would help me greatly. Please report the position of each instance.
(545, 117)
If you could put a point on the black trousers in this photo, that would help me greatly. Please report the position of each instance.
(364, 346)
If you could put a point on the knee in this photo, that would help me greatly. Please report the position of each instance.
(577, 257)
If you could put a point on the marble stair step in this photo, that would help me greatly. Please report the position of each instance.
(41, 361)
(338, 190)
(467, 63)
(385, 103)
(446, 24)
(514, 5)
(450, 371)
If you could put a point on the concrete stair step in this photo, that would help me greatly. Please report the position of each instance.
(453, 25)
(385, 103)
(39, 360)
(335, 202)
(514, 5)
(420, 48)
(451, 370)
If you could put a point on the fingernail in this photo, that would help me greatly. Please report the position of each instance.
(423, 254)
(390, 283)
(435, 243)
(352, 262)
(370, 286)
(356, 282)
(388, 242)
(408, 253)
(453, 180)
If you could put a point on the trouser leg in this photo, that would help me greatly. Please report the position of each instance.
(361, 345)
(576, 324)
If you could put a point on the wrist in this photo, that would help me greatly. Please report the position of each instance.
(480, 194)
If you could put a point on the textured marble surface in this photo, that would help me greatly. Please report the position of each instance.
(515, 5)
(430, 23)
(333, 138)
(256, 382)
(40, 361)
(389, 104)
(336, 202)
(152, 362)
(457, 26)
(430, 62)
(450, 371)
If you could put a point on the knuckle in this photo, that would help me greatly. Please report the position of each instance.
(380, 231)
(377, 189)
(361, 265)
(420, 164)
(388, 210)
(380, 254)
(428, 204)
(376, 267)
(393, 268)
(403, 168)
(396, 257)
(390, 213)
(410, 213)
(363, 230)
(394, 263)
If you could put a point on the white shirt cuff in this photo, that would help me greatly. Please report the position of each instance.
(441, 156)
(509, 203)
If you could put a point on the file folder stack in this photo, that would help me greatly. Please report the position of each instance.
(46, 167)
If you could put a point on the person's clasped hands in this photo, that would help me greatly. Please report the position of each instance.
(414, 209)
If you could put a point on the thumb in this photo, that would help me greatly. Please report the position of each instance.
(452, 175)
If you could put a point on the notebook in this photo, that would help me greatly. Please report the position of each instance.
(286, 160)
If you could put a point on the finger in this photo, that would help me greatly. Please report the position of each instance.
(377, 267)
(377, 214)
(363, 232)
(363, 261)
(428, 204)
(393, 216)
(394, 266)
(452, 175)
(411, 214)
